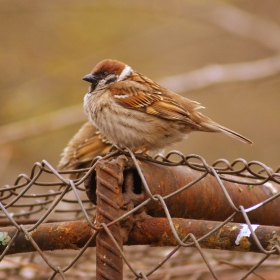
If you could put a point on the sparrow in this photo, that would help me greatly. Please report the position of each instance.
(86, 144)
(133, 111)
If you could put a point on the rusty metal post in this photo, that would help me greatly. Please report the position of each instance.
(109, 181)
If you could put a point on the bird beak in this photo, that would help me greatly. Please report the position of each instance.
(90, 78)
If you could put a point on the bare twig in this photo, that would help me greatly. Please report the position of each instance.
(36, 126)
(215, 74)
(244, 24)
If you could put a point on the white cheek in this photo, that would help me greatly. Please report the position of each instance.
(125, 72)
(102, 82)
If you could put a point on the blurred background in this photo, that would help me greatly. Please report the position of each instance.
(223, 54)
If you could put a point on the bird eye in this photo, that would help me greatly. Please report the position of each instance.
(104, 73)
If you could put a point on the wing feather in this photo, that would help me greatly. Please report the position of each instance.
(140, 95)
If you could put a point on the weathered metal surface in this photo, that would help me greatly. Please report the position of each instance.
(164, 191)
(50, 236)
(109, 181)
(147, 231)
(232, 236)
(184, 193)
(206, 200)
(203, 200)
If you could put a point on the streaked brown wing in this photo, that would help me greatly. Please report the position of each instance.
(150, 99)
(86, 144)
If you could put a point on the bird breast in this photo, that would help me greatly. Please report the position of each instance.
(131, 128)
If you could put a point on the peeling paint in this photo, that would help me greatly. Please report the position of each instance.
(270, 186)
(4, 238)
(275, 240)
(234, 228)
(250, 187)
(244, 232)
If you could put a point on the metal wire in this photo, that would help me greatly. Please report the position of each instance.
(63, 199)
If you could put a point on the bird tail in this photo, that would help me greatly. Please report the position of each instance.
(215, 127)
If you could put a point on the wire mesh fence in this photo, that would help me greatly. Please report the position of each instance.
(179, 204)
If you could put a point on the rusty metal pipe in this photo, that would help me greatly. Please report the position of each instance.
(232, 236)
(49, 236)
(203, 200)
(149, 231)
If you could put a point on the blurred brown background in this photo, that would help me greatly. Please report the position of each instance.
(48, 46)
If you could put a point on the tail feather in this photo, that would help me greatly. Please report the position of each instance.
(215, 127)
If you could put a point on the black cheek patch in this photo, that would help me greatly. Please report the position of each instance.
(111, 80)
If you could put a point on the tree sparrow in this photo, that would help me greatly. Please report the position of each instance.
(133, 111)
